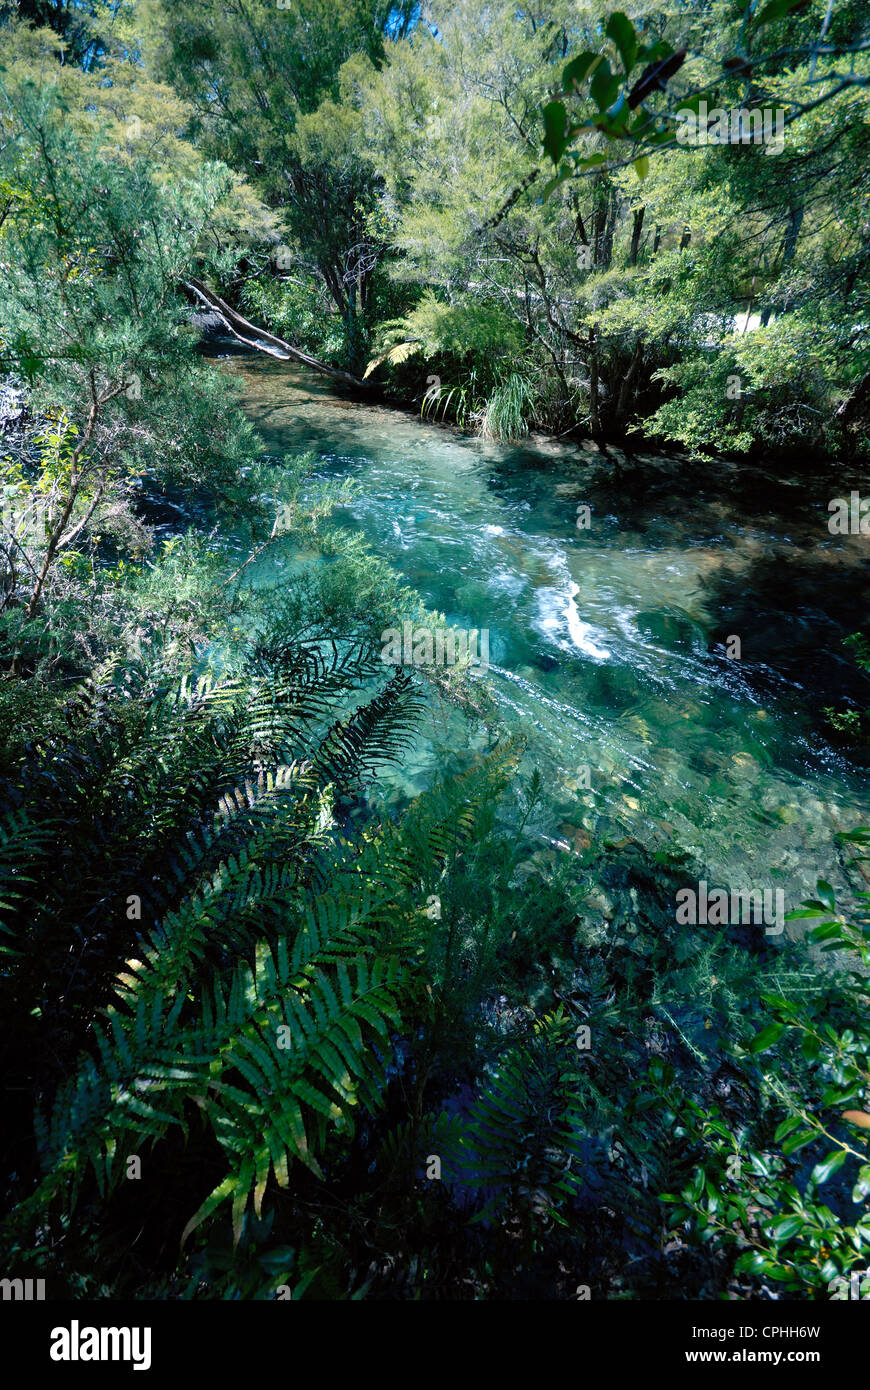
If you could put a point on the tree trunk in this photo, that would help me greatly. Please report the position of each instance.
(792, 232)
(626, 390)
(604, 223)
(254, 337)
(594, 412)
(637, 227)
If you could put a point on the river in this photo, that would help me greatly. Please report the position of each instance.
(608, 644)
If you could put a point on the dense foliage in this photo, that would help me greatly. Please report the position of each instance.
(710, 294)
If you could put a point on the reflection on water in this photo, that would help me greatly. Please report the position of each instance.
(606, 644)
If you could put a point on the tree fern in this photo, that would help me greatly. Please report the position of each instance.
(211, 808)
(274, 1055)
(522, 1142)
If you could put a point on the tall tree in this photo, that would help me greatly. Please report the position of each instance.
(263, 81)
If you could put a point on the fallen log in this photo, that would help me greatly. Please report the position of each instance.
(263, 341)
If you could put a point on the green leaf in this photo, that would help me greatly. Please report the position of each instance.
(590, 161)
(777, 9)
(604, 86)
(862, 1185)
(654, 52)
(783, 1230)
(579, 69)
(641, 166)
(828, 1166)
(214, 1199)
(554, 183)
(717, 1127)
(767, 1037)
(861, 836)
(798, 1141)
(828, 931)
(695, 1189)
(826, 894)
(752, 1262)
(555, 130)
(621, 30)
(787, 1127)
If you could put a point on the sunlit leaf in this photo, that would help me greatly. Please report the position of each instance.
(621, 30)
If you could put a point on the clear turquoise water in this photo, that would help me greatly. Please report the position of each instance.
(606, 643)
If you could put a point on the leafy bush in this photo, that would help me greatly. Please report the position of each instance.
(749, 1192)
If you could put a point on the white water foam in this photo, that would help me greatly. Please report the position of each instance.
(559, 613)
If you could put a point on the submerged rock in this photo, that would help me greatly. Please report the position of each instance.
(671, 629)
